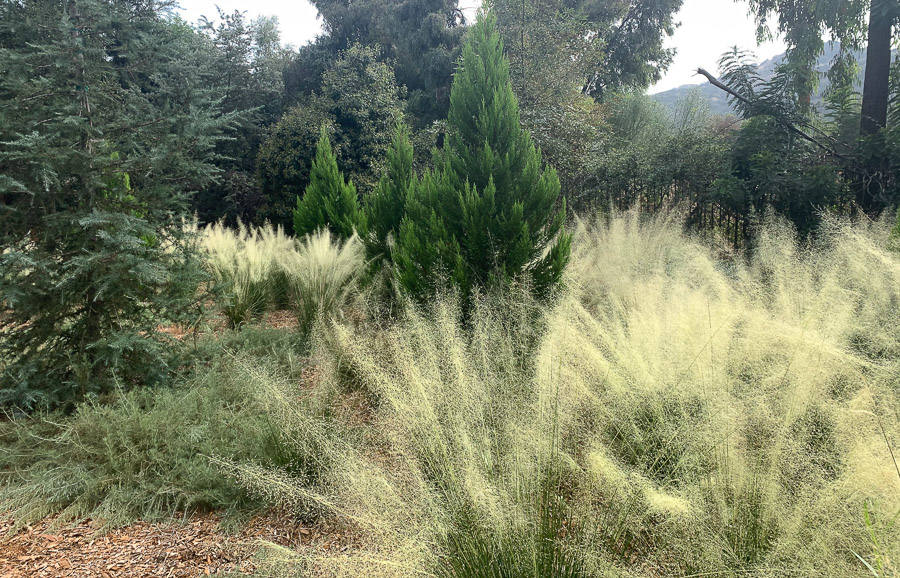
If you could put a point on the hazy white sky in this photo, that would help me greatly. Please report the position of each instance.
(708, 28)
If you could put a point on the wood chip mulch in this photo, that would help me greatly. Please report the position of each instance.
(281, 319)
(194, 548)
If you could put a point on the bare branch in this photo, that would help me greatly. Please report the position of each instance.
(788, 124)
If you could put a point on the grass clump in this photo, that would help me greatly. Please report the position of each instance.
(151, 453)
(458, 474)
(321, 275)
(686, 406)
(245, 264)
(260, 266)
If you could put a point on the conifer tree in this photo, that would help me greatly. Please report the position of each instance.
(329, 201)
(489, 213)
(107, 123)
(386, 205)
(360, 102)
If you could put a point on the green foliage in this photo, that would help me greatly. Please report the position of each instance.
(285, 159)
(386, 206)
(489, 212)
(730, 172)
(804, 26)
(420, 38)
(592, 47)
(653, 159)
(771, 164)
(366, 101)
(329, 202)
(249, 61)
(632, 35)
(94, 182)
(360, 103)
(552, 48)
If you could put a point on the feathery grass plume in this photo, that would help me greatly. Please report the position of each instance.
(745, 391)
(680, 415)
(278, 244)
(461, 466)
(321, 275)
(245, 262)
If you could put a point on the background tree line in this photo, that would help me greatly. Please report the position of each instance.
(578, 69)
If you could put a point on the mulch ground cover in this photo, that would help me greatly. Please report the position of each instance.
(194, 548)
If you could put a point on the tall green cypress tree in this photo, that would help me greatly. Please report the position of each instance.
(329, 201)
(107, 124)
(489, 213)
(386, 205)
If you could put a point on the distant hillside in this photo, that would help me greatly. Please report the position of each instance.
(716, 98)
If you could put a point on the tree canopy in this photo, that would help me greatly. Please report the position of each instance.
(421, 39)
(360, 103)
(108, 124)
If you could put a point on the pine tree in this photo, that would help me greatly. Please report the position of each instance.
(386, 205)
(107, 124)
(360, 102)
(489, 213)
(330, 201)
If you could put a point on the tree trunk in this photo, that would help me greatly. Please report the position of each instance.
(876, 93)
(878, 68)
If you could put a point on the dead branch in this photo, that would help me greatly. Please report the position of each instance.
(783, 121)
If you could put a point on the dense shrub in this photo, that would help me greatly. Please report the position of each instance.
(93, 187)
(151, 454)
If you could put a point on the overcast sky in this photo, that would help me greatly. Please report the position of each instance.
(708, 28)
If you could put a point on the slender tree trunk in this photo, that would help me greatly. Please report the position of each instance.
(878, 68)
(737, 231)
(876, 93)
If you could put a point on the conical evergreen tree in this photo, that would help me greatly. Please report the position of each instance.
(489, 213)
(386, 205)
(329, 201)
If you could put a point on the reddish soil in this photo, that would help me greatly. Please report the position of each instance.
(194, 548)
(216, 324)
